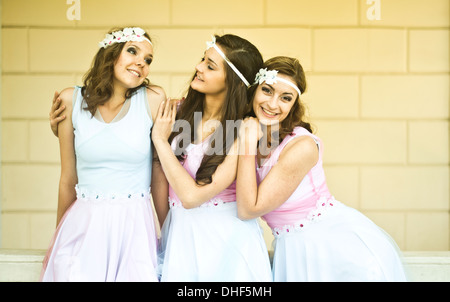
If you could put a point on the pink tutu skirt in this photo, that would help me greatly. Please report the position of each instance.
(104, 239)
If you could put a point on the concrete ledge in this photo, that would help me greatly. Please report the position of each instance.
(20, 265)
(427, 266)
(25, 265)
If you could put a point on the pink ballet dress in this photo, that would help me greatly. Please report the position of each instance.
(317, 238)
(210, 243)
(108, 233)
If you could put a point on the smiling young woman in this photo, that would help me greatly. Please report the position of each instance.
(317, 238)
(202, 222)
(106, 229)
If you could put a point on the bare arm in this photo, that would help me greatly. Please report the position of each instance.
(159, 184)
(190, 193)
(68, 179)
(294, 163)
(160, 190)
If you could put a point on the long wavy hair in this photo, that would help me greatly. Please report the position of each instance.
(296, 118)
(248, 60)
(98, 81)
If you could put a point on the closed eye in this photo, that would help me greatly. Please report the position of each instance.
(210, 67)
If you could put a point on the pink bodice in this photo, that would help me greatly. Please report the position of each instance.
(195, 153)
(311, 194)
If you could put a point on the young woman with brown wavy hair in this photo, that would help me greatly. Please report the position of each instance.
(202, 238)
(106, 229)
(317, 238)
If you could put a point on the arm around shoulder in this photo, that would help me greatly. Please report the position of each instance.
(294, 163)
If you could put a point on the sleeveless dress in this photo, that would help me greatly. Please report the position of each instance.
(317, 238)
(108, 233)
(210, 243)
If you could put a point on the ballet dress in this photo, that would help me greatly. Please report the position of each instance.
(210, 243)
(108, 233)
(318, 238)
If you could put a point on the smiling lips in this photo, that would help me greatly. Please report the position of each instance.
(268, 113)
(134, 72)
(198, 78)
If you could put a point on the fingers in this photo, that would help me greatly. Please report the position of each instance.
(174, 110)
(58, 111)
(168, 109)
(166, 112)
(164, 108)
(160, 109)
(55, 96)
(56, 107)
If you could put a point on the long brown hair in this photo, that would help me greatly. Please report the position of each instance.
(296, 118)
(98, 81)
(248, 60)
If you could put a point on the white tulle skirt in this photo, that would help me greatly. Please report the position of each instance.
(210, 243)
(104, 240)
(344, 245)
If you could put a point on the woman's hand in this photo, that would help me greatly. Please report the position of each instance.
(250, 133)
(165, 120)
(55, 116)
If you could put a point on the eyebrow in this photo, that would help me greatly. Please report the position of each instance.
(287, 92)
(209, 59)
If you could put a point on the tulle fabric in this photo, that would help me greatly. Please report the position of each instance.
(342, 246)
(211, 243)
(106, 240)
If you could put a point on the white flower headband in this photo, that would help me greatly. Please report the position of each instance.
(271, 77)
(213, 45)
(127, 34)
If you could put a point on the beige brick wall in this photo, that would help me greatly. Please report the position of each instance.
(378, 96)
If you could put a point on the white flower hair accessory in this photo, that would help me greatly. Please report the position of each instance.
(270, 77)
(213, 45)
(127, 34)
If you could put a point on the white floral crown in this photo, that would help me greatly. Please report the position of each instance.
(213, 45)
(125, 35)
(270, 77)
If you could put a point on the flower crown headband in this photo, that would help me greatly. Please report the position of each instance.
(271, 77)
(127, 34)
(213, 45)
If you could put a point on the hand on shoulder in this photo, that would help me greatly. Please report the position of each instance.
(66, 96)
(58, 113)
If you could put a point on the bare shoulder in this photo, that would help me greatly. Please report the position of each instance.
(155, 95)
(302, 149)
(66, 96)
(65, 127)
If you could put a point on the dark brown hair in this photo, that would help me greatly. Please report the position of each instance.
(296, 118)
(248, 60)
(98, 81)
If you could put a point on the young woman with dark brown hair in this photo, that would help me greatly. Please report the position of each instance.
(317, 238)
(202, 238)
(106, 229)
